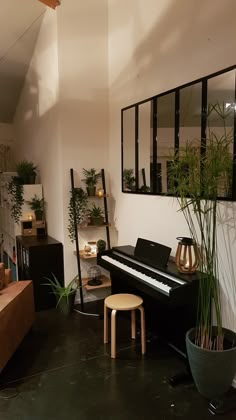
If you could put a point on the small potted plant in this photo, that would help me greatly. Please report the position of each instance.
(37, 205)
(65, 295)
(91, 178)
(96, 215)
(26, 171)
(101, 245)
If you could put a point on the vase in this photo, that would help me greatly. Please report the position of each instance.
(212, 370)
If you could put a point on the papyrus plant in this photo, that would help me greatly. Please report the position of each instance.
(200, 173)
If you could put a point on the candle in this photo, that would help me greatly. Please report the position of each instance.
(100, 193)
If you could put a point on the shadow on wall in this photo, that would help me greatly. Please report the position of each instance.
(181, 23)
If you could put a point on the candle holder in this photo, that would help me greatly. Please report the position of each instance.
(187, 255)
(100, 192)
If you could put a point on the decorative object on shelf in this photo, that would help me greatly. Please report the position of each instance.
(128, 179)
(186, 257)
(15, 191)
(33, 228)
(94, 276)
(93, 246)
(37, 205)
(100, 192)
(96, 215)
(77, 210)
(211, 348)
(90, 179)
(101, 245)
(26, 171)
(65, 295)
(87, 249)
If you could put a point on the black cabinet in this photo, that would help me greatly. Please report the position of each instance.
(37, 258)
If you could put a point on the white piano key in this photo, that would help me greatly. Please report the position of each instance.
(143, 277)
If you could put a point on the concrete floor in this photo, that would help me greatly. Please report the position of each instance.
(62, 371)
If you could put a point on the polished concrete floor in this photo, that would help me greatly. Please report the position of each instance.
(62, 371)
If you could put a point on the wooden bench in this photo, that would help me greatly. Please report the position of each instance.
(16, 317)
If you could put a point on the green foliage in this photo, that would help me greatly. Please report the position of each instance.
(101, 245)
(198, 175)
(91, 177)
(95, 211)
(36, 203)
(61, 291)
(25, 168)
(128, 179)
(15, 191)
(76, 210)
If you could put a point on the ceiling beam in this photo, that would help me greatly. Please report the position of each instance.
(51, 3)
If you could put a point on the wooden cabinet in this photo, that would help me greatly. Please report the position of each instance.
(38, 258)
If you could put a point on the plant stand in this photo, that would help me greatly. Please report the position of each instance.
(78, 252)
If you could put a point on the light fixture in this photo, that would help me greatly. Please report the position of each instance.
(51, 3)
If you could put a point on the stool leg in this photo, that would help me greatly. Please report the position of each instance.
(133, 326)
(105, 323)
(113, 334)
(143, 334)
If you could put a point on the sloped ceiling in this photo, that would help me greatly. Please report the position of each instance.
(20, 21)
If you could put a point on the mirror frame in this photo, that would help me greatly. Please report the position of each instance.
(154, 100)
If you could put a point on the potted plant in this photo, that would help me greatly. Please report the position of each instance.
(37, 205)
(77, 210)
(96, 215)
(198, 172)
(26, 171)
(101, 245)
(128, 180)
(15, 190)
(65, 295)
(91, 178)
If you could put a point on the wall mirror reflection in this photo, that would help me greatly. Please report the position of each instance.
(157, 130)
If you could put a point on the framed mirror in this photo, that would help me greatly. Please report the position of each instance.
(154, 132)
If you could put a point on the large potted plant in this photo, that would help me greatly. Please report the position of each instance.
(91, 178)
(65, 295)
(201, 172)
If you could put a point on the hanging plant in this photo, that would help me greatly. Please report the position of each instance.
(77, 210)
(15, 190)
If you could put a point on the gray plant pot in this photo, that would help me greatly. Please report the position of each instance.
(213, 371)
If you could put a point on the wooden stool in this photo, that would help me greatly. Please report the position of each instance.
(123, 302)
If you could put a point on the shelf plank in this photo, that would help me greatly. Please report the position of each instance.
(85, 256)
(94, 226)
(106, 282)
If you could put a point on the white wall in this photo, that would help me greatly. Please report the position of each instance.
(153, 47)
(62, 117)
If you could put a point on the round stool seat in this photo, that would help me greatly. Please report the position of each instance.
(123, 302)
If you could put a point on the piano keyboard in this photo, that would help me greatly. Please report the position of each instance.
(165, 284)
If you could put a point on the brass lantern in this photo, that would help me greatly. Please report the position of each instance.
(187, 256)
